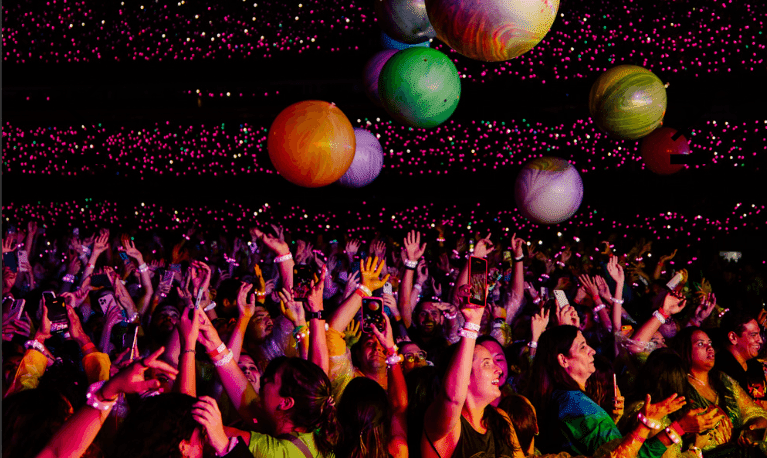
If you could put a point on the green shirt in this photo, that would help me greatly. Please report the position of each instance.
(266, 446)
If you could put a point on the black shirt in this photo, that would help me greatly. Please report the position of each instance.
(752, 380)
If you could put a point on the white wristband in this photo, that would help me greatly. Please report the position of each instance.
(92, 400)
(599, 308)
(418, 287)
(225, 360)
(411, 264)
(283, 258)
(472, 326)
(365, 290)
(210, 307)
(468, 334)
(34, 344)
(659, 317)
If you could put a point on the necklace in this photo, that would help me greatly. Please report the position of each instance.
(708, 388)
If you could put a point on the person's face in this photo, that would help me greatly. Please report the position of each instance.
(429, 318)
(413, 357)
(496, 351)
(168, 319)
(271, 401)
(249, 368)
(579, 362)
(166, 379)
(260, 325)
(9, 278)
(485, 379)
(749, 342)
(372, 356)
(703, 355)
(658, 340)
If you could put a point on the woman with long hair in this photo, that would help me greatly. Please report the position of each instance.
(661, 376)
(568, 419)
(743, 421)
(462, 420)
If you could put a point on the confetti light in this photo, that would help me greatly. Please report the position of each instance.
(689, 37)
(165, 149)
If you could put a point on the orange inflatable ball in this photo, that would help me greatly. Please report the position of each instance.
(311, 143)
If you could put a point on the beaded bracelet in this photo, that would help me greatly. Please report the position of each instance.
(532, 344)
(471, 326)
(412, 265)
(143, 268)
(617, 301)
(517, 259)
(450, 316)
(599, 308)
(92, 398)
(283, 258)
(394, 359)
(468, 334)
(69, 278)
(649, 422)
(34, 344)
(673, 436)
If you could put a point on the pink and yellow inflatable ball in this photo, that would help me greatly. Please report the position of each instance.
(492, 30)
(548, 190)
(311, 143)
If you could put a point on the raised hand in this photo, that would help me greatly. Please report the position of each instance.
(538, 324)
(352, 247)
(386, 338)
(661, 409)
(378, 249)
(101, 243)
(604, 290)
(129, 246)
(413, 247)
(353, 333)
(568, 315)
(292, 309)
(9, 244)
(352, 283)
(207, 414)
(589, 286)
(673, 304)
(615, 269)
(472, 313)
(277, 245)
(201, 274)
(246, 303)
(517, 246)
(668, 257)
(314, 299)
(370, 269)
(131, 379)
(704, 309)
(483, 247)
(189, 327)
(422, 272)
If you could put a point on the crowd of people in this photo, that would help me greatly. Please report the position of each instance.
(281, 344)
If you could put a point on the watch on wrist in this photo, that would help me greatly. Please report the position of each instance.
(315, 315)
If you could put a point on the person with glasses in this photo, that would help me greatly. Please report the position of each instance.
(412, 356)
(742, 427)
(742, 343)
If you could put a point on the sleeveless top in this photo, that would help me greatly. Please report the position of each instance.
(475, 445)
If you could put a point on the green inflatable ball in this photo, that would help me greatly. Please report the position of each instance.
(419, 87)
